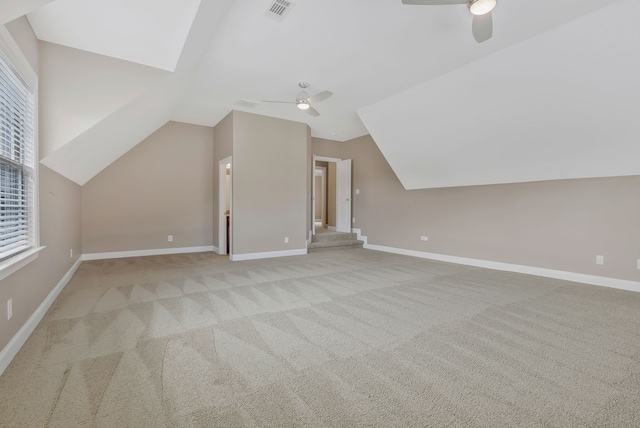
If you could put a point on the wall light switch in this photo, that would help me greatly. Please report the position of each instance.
(638, 264)
(170, 238)
(286, 239)
(357, 191)
(599, 260)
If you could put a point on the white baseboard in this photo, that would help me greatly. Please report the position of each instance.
(267, 255)
(142, 253)
(18, 340)
(331, 228)
(602, 281)
(360, 236)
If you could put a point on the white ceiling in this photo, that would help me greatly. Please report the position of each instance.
(121, 29)
(557, 76)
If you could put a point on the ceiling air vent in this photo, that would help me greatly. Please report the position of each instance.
(279, 9)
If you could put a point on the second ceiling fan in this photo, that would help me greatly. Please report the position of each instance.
(482, 26)
(303, 100)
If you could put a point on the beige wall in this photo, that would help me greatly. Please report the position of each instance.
(222, 148)
(271, 178)
(161, 187)
(559, 224)
(67, 78)
(60, 232)
(22, 33)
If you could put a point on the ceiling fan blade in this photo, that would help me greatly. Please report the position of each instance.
(320, 97)
(312, 112)
(482, 27)
(434, 2)
(282, 102)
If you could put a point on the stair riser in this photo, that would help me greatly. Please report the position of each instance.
(343, 247)
(334, 237)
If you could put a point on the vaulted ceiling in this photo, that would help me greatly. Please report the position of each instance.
(552, 95)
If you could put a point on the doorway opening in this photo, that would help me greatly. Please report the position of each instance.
(225, 219)
(320, 177)
(335, 199)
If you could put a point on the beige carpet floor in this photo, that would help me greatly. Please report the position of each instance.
(352, 338)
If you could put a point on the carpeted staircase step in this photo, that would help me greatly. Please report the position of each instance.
(334, 236)
(334, 245)
(333, 241)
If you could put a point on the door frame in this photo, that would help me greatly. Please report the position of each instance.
(323, 192)
(313, 185)
(222, 204)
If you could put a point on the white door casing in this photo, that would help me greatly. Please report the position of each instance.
(224, 192)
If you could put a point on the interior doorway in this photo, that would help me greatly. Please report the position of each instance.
(320, 177)
(336, 194)
(225, 218)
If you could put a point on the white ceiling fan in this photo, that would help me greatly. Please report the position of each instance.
(303, 100)
(482, 26)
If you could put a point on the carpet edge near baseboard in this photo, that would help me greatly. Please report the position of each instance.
(12, 348)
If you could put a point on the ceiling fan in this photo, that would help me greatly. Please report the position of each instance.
(482, 26)
(303, 100)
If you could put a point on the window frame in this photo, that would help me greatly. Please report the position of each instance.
(13, 55)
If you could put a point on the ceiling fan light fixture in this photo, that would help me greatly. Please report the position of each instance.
(302, 104)
(481, 7)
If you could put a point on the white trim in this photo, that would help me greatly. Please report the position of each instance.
(332, 228)
(222, 204)
(17, 262)
(267, 255)
(621, 284)
(18, 340)
(360, 236)
(143, 253)
(326, 159)
(310, 238)
(10, 50)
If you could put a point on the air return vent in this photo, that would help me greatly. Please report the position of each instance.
(279, 9)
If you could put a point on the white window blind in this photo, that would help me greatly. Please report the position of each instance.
(16, 162)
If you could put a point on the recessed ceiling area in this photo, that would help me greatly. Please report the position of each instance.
(549, 96)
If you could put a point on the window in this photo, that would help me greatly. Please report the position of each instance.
(17, 169)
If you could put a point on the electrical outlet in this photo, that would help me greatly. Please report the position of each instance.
(9, 309)
(638, 265)
(599, 260)
(71, 252)
(353, 220)
(286, 239)
(357, 191)
(170, 238)
(424, 238)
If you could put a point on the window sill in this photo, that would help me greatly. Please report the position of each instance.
(16, 263)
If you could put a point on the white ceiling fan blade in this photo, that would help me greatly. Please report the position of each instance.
(482, 27)
(434, 2)
(312, 112)
(281, 102)
(320, 97)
